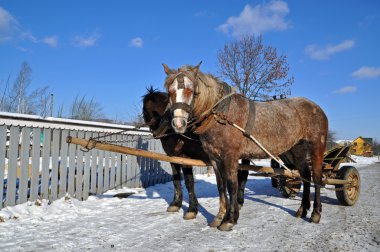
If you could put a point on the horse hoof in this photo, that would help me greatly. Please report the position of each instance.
(298, 214)
(301, 213)
(315, 217)
(216, 222)
(172, 209)
(190, 215)
(226, 227)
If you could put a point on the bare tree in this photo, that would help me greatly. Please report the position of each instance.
(38, 102)
(331, 138)
(20, 86)
(83, 109)
(18, 98)
(258, 71)
(376, 147)
(4, 98)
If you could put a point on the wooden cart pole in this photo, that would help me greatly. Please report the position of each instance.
(136, 152)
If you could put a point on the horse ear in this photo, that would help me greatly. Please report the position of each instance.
(167, 69)
(196, 68)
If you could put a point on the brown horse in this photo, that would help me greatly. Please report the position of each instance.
(296, 126)
(158, 116)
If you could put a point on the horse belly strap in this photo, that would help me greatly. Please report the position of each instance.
(251, 119)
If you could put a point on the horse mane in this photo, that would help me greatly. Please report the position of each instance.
(152, 94)
(207, 88)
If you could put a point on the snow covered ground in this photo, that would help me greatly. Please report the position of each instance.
(141, 223)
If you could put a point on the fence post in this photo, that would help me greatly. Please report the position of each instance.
(100, 173)
(54, 167)
(94, 163)
(86, 174)
(12, 166)
(63, 165)
(79, 171)
(72, 164)
(24, 165)
(3, 138)
(36, 156)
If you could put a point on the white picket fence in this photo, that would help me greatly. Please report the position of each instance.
(36, 162)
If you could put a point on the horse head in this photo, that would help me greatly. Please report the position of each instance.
(155, 105)
(181, 85)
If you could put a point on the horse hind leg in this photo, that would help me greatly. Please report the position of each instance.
(305, 204)
(317, 160)
(176, 204)
(192, 211)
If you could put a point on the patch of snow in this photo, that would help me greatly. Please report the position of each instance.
(140, 222)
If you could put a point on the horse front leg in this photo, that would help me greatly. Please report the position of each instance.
(222, 196)
(176, 204)
(231, 172)
(192, 211)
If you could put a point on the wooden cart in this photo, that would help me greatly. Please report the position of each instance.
(347, 194)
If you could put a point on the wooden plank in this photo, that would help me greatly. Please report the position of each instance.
(100, 172)
(63, 165)
(124, 162)
(160, 171)
(54, 168)
(137, 173)
(118, 167)
(113, 168)
(153, 167)
(36, 159)
(329, 181)
(45, 173)
(142, 165)
(130, 168)
(3, 138)
(107, 160)
(86, 172)
(24, 165)
(94, 164)
(79, 173)
(72, 161)
(12, 166)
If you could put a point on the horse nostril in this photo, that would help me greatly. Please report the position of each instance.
(179, 123)
(173, 124)
(184, 123)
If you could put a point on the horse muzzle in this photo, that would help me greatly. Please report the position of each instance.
(179, 124)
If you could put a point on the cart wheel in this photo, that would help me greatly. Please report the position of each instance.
(348, 194)
(289, 190)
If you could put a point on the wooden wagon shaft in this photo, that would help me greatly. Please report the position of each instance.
(136, 152)
(187, 161)
(270, 170)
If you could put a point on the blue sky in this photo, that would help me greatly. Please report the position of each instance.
(113, 50)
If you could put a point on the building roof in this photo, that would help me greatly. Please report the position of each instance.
(368, 140)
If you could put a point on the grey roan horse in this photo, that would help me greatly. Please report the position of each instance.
(157, 115)
(294, 125)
